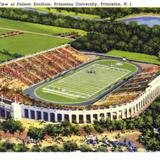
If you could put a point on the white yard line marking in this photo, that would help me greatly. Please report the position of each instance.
(72, 93)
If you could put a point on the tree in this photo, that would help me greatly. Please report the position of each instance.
(53, 148)
(120, 125)
(2, 148)
(85, 148)
(12, 126)
(75, 129)
(70, 146)
(36, 133)
(88, 129)
(140, 123)
(101, 149)
(98, 128)
(53, 130)
(21, 148)
(157, 122)
(148, 121)
(35, 148)
(8, 146)
(67, 131)
(130, 124)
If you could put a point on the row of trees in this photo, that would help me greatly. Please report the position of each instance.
(12, 55)
(8, 55)
(103, 35)
(53, 130)
(8, 146)
(11, 126)
(130, 37)
(111, 13)
(69, 146)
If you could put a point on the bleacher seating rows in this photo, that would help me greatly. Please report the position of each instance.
(42, 66)
(129, 91)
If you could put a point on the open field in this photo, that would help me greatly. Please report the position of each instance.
(2, 31)
(4, 57)
(28, 43)
(36, 37)
(85, 83)
(71, 13)
(134, 56)
(39, 28)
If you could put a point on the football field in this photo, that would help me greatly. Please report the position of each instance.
(85, 83)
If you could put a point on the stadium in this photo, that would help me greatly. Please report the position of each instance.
(63, 84)
(44, 78)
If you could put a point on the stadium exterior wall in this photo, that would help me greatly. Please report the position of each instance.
(134, 108)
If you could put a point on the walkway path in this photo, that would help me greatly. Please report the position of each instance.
(42, 34)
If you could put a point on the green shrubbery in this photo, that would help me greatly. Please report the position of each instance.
(54, 130)
(11, 126)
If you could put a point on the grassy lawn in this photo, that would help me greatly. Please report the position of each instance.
(2, 31)
(39, 28)
(4, 57)
(85, 83)
(71, 13)
(30, 43)
(134, 56)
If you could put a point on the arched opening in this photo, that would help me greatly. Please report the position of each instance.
(52, 117)
(81, 119)
(130, 111)
(95, 117)
(32, 114)
(66, 117)
(26, 114)
(88, 118)
(73, 118)
(125, 113)
(114, 115)
(8, 114)
(120, 115)
(39, 115)
(59, 117)
(109, 115)
(45, 116)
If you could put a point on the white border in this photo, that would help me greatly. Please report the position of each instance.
(80, 156)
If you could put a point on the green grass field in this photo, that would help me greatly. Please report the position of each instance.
(85, 83)
(28, 43)
(71, 13)
(36, 38)
(4, 57)
(134, 56)
(39, 28)
(2, 31)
